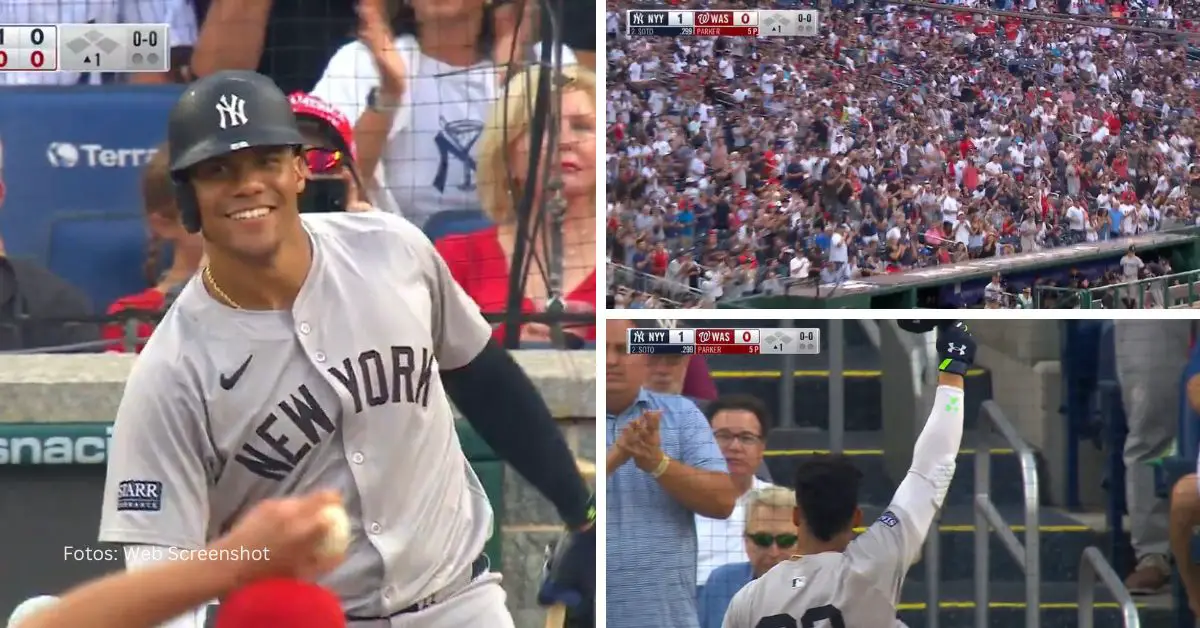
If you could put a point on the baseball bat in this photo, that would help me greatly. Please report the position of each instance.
(556, 616)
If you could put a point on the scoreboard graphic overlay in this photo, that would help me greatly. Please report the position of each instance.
(793, 23)
(119, 48)
(724, 341)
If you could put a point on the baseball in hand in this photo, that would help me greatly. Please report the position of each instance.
(337, 531)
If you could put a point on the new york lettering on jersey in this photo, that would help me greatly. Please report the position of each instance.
(397, 375)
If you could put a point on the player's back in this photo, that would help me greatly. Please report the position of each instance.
(806, 590)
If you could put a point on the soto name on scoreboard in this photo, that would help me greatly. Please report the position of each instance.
(768, 23)
(711, 341)
(118, 48)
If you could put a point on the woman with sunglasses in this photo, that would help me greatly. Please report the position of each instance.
(419, 84)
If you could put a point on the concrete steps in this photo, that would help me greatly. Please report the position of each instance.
(1059, 606)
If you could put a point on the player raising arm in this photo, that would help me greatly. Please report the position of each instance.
(855, 582)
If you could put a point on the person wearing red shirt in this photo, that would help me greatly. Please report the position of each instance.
(659, 260)
(1113, 122)
(166, 233)
(480, 261)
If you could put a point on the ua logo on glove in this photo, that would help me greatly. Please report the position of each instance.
(958, 349)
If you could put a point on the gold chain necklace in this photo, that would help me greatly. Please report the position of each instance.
(212, 283)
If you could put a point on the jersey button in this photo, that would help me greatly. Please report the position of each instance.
(376, 528)
(357, 457)
(304, 328)
(319, 357)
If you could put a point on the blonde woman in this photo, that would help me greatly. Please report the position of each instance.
(480, 260)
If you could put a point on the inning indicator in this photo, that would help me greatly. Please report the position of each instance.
(724, 341)
(115, 48)
(793, 23)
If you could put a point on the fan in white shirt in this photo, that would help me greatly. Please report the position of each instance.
(739, 423)
(180, 15)
(950, 206)
(427, 105)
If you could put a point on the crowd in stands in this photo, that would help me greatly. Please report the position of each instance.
(899, 138)
(428, 105)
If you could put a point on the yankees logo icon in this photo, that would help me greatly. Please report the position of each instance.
(232, 111)
(456, 139)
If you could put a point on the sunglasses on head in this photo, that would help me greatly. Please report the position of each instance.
(324, 160)
(766, 539)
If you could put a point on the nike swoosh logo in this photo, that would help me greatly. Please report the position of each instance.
(229, 381)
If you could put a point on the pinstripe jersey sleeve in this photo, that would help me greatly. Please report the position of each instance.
(179, 14)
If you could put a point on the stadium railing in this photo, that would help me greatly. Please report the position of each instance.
(1179, 290)
(988, 519)
(131, 320)
(621, 275)
(1093, 568)
(1051, 294)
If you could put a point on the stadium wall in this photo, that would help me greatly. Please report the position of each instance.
(74, 389)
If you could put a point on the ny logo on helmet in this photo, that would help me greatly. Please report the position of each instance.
(232, 110)
(959, 349)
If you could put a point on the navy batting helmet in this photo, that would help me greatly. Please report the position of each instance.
(222, 113)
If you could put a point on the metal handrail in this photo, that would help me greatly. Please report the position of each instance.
(1093, 567)
(987, 518)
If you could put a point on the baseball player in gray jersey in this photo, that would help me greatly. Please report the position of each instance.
(318, 352)
(838, 580)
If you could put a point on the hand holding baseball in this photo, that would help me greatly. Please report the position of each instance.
(302, 537)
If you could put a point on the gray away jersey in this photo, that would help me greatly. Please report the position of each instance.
(225, 408)
(861, 586)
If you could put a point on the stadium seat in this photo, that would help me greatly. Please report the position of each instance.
(455, 221)
(100, 253)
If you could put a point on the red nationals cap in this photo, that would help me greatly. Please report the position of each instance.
(310, 107)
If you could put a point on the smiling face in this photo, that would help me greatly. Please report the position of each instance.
(248, 200)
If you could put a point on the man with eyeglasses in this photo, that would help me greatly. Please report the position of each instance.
(739, 423)
(839, 579)
(767, 539)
